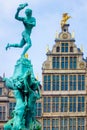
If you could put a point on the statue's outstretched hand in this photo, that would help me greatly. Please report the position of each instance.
(22, 6)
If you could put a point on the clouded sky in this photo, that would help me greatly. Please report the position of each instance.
(48, 14)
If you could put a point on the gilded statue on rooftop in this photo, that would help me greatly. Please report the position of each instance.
(65, 17)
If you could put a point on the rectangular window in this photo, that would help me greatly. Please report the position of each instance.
(55, 104)
(64, 62)
(63, 124)
(56, 62)
(47, 82)
(2, 113)
(46, 124)
(81, 82)
(81, 123)
(64, 47)
(64, 82)
(73, 62)
(72, 104)
(55, 124)
(55, 82)
(11, 108)
(72, 124)
(81, 104)
(47, 104)
(0, 91)
(72, 82)
(64, 104)
(38, 109)
(1, 128)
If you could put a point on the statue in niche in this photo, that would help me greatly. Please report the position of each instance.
(29, 22)
(26, 88)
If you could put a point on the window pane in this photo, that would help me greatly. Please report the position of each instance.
(11, 108)
(47, 82)
(73, 62)
(2, 113)
(47, 104)
(55, 82)
(64, 47)
(46, 124)
(0, 91)
(64, 104)
(38, 109)
(72, 82)
(55, 104)
(64, 82)
(81, 104)
(72, 124)
(81, 123)
(81, 82)
(55, 124)
(55, 62)
(72, 104)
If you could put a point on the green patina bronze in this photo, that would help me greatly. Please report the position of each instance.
(29, 22)
(25, 86)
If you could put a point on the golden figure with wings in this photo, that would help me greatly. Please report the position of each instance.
(65, 17)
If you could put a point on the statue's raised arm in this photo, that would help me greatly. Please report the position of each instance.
(21, 6)
(29, 22)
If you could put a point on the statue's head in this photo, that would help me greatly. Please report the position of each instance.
(28, 12)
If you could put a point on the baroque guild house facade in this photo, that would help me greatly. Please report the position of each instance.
(64, 77)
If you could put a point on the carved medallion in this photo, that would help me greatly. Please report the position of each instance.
(82, 65)
(65, 36)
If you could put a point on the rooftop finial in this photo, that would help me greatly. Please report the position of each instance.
(65, 17)
(56, 36)
(81, 48)
(73, 34)
(47, 48)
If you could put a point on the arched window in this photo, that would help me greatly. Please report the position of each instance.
(71, 49)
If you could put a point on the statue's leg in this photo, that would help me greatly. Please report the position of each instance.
(22, 43)
(29, 44)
